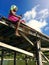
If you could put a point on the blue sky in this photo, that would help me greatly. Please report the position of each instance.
(35, 12)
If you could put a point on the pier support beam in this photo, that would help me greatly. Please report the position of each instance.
(26, 60)
(2, 55)
(14, 58)
(38, 53)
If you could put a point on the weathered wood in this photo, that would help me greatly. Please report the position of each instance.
(14, 58)
(16, 49)
(44, 61)
(2, 55)
(26, 60)
(31, 31)
(27, 39)
(45, 57)
(44, 49)
(38, 53)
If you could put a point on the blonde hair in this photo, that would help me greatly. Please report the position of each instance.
(14, 7)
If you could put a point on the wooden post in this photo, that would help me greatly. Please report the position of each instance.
(26, 60)
(2, 55)
(38, 53)
(14, 58)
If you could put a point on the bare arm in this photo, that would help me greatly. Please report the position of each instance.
(19, 16)
(14, 13)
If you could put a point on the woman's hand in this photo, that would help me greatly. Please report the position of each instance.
(19, 16)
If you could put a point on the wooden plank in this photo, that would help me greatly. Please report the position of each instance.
(16, 49)
(44, 49)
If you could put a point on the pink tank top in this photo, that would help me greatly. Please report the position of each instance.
(13, 18)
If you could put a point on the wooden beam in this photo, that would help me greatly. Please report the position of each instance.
(27, 39)
(2, 55)
(3, 23)
(44, 49)
(45, 57)
(32, 32)
(26, 60)
(14, 58)
(38, 53)
(16, 49)
(44, 61)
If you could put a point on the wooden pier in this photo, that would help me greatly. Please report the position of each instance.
(31, 42)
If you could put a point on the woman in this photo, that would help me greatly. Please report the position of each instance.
(14, 18)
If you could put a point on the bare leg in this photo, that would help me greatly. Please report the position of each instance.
(17, 26)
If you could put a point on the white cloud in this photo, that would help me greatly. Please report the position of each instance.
(32, 21)
(44, 13)
(30, 15)
(37, 24)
